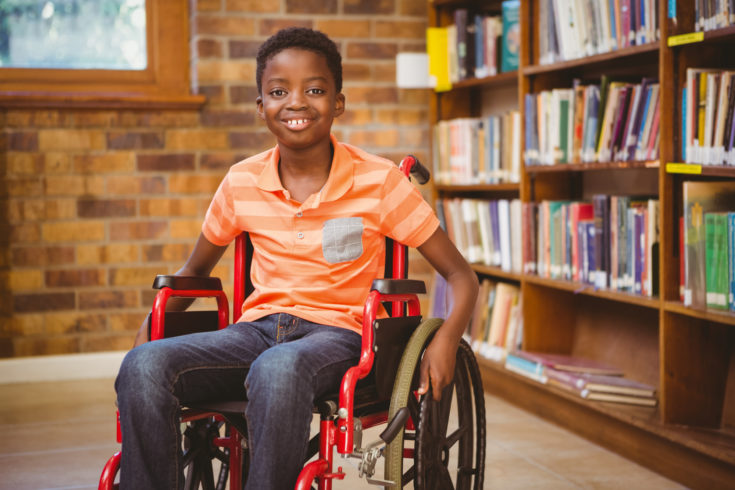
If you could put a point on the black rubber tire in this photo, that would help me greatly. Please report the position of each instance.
(455, 459)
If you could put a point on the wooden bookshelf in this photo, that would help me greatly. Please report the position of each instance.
(688, 354)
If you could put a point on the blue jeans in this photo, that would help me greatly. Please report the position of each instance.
(280, 362)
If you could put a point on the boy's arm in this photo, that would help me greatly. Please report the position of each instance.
(437, 365)
(200, 263)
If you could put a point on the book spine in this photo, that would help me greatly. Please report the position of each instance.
(731, 259)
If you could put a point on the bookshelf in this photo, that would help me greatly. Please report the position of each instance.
(687, 353)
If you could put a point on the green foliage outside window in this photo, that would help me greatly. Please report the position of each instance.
(73, 34)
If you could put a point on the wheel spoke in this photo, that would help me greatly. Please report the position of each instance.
(455, 436)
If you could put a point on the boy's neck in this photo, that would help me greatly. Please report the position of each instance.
(304, 173)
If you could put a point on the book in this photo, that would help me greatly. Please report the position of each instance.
(731, 259)
(716, 260)
(615, 398)
(510, 45)
(437, 47)
(700, 198)
(524, 367)
(563, 362)
(599, 383)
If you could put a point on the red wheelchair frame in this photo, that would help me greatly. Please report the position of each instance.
(334, 434)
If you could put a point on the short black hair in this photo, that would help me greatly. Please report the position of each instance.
(302, 38)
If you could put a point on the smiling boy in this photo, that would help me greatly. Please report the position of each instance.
(317, 212)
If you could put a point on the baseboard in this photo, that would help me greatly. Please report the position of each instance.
(66, 367)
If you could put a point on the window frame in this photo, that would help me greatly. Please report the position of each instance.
(164, 83)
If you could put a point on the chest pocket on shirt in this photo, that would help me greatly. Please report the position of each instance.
(342, 239)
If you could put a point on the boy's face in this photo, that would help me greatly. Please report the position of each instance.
(299, 99)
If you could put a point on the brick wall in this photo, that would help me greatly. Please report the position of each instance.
(97, 202)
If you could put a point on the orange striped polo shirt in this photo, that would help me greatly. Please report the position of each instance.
(317, 259)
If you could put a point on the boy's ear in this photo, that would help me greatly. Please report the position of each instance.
(339, 107)
(259, 104)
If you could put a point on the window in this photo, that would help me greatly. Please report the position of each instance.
(95, 53)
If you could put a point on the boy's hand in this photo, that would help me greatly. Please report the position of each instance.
(437, 365)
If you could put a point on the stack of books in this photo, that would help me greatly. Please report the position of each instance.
(586, 378)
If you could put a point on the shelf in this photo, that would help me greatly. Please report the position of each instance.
(712, 315)
(496, 272)
(584, 167)
(588, 290)
(502, 79)
(700, 458)
(724, 34)
(506, 187)
(617, 55)
(697, 169)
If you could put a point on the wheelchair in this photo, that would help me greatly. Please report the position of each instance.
(430, 444)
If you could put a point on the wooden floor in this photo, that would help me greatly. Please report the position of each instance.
(59, 435)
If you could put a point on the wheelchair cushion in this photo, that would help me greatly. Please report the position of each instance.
(186, 322)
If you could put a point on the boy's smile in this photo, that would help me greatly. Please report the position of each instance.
(299, 100)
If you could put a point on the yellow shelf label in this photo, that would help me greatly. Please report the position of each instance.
(683, 168)
(688, 38)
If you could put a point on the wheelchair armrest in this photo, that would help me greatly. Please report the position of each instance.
(183, 283)
(399, 286)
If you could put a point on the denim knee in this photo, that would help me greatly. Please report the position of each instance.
(285, 373)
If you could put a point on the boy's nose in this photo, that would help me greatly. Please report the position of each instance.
(297, 100)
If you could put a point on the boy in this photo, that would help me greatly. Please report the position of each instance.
(317, 211)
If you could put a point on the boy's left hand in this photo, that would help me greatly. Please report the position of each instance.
(437, 365)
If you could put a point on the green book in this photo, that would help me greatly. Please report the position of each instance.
(701, 198)
(715, 225)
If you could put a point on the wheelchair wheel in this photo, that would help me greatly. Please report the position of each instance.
(447, 454)
(206, 466)
(449, 451)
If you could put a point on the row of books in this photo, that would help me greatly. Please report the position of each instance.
(570, 29)
(586, 378)
(612, 121)
(483, 150)
(707, 245)
(713, 14)
(475, 45)
(485, 232)
(497, 321)
(708, 117)
(611, 242)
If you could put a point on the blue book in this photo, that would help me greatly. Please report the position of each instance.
(639, 249)
(511, 35)
(591, 259)
(731, 258)
(683, 124)
(531, 130)
(591, 120)
(480, 66)
(524, 367)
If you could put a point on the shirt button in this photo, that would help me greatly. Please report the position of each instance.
(300, 235)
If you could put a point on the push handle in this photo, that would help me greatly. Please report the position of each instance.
(411, 164)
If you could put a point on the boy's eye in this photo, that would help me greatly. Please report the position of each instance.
(278, 92)
(316, 91)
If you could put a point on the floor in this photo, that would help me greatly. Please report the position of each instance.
(59, 435)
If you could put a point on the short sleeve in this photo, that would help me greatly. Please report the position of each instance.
(219, 225)
(405, 215)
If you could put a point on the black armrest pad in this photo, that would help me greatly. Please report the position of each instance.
(183, 283)
(399, 286)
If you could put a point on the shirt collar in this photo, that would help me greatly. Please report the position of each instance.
(340, 178)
